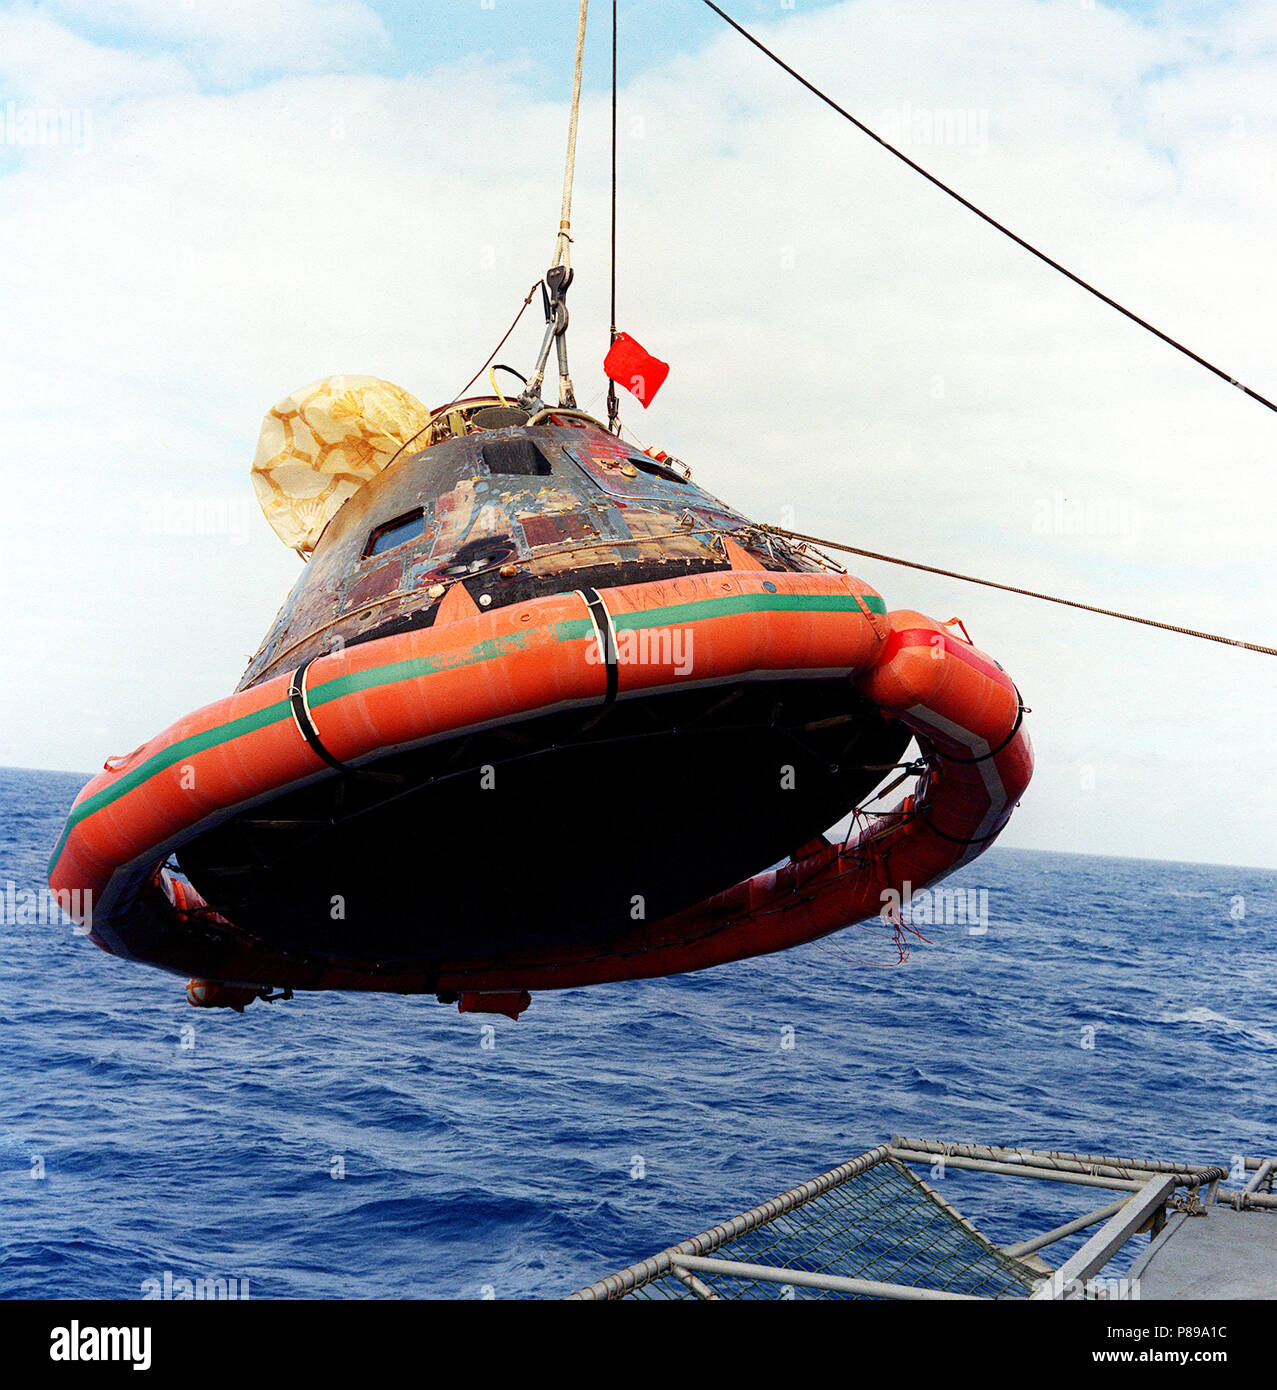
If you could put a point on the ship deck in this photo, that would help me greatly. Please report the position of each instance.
(1225, 1253)
(872, 1228)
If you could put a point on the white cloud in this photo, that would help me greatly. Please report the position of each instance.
(846, 343)
(231, 40)
(45, 64)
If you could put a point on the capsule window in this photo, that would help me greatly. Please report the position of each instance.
(396, 533)
(518, 458)
(646, 464)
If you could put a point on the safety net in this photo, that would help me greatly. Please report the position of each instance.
(871, 1219)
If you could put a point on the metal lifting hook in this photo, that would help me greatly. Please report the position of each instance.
(554, 290)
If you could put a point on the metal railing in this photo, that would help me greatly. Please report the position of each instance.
(1149, 1185)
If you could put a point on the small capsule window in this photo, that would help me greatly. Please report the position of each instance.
(396, 533)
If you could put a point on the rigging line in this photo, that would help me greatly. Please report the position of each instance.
(986, 217)
(563, 243)
(757, 527)
(535, 286)
(613, 403)
(435, 414)
(1013, 589)
(574, 547)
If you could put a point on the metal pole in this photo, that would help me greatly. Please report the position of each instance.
(1056, 1159)
(1108, 1240)
(1027, 1247)
(697, 1286)
(1250, 1191)
(827, 1283)
(1019, 1170)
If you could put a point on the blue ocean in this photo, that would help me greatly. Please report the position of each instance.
(380, 1147)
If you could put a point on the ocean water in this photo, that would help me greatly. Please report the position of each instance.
(347, 1147)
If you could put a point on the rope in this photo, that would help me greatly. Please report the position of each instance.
(505, 338)
(563, 244)
(613, 404)
(574, 547)
(992, 221)
(1014, 589)
(443, 409)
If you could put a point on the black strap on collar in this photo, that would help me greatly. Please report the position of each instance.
(305, 724)
(602, 620)
(957, 839)
(993, 752)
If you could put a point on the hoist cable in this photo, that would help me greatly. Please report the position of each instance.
(984, 216)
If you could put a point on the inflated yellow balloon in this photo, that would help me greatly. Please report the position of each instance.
(321, 444)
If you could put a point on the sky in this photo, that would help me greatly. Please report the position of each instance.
(244, 198)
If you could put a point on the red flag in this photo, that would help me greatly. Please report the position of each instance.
(629, 365)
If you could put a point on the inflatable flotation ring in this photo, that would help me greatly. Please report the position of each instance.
(542, 713)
